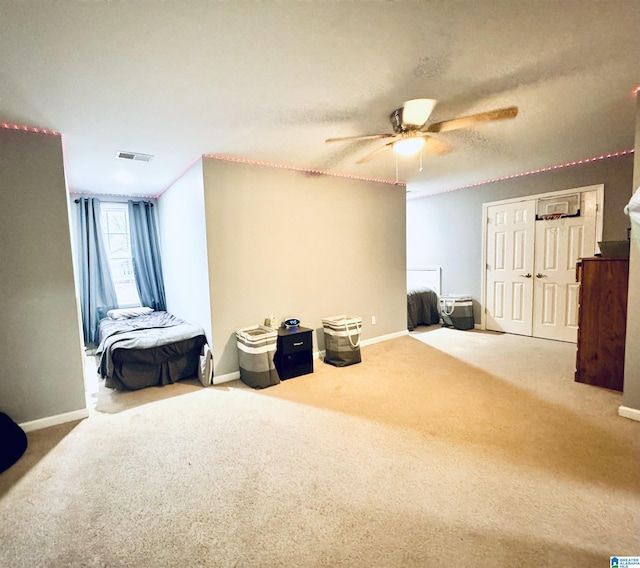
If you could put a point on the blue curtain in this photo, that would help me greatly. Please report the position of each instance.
(145, 252)
(97, 293)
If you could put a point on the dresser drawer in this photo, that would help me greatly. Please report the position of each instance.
(300, 341)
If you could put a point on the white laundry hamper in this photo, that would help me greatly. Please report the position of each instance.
(342, 340)
(256, 348)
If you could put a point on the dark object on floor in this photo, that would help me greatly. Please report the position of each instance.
(13, 442)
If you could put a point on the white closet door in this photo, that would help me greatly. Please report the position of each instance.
(509, 272)
(558, 246)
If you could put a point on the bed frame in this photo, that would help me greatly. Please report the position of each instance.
(420, 278)
(158, 353)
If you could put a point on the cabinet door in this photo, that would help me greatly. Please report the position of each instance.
(602, 321)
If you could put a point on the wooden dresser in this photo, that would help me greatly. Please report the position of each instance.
(602, 321)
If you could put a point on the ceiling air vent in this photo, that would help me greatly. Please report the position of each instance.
(135, 156)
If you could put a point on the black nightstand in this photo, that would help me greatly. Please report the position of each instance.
(294, 352)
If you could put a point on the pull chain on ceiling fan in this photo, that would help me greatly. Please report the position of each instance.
(412, 134)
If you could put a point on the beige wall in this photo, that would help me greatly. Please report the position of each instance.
(41, 371)
(285, 243)
(631, 397)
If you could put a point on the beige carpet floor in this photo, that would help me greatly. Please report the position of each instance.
(445, 448)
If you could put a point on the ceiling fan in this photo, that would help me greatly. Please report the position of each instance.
(411, 133)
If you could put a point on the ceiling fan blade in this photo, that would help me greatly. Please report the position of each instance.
(417, 111)
(436, 146)
(374, 153)
(363, 137)
(473, 120)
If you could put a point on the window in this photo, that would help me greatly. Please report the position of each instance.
(115, 229)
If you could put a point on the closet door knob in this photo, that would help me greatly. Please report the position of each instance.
(539, 275)
(527, 275)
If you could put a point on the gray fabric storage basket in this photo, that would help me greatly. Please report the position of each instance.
(457, 311)
(342, 340)
(256, 348)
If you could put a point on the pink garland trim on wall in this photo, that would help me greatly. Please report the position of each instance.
(311, 172)
(541, 170)
(8, 126)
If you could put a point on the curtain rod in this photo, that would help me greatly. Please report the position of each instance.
(149, 202)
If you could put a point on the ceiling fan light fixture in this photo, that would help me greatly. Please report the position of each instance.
(408, 146)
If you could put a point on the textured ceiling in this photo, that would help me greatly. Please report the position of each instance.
(270, 81)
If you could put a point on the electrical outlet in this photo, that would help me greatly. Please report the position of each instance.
(373, 320)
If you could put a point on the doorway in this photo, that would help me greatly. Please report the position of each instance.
(529, 260)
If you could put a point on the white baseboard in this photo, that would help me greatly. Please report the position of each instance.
(632, 413)
(55, 420)
(321, 354)
(228, 377)
(382, 338)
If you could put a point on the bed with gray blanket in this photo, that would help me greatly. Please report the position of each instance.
(422, 308)
(153, 349)
(423, 291)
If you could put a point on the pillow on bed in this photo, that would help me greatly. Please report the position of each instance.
(126, 313)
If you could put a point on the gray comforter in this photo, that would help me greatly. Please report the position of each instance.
(142, 332)
(422, 308)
